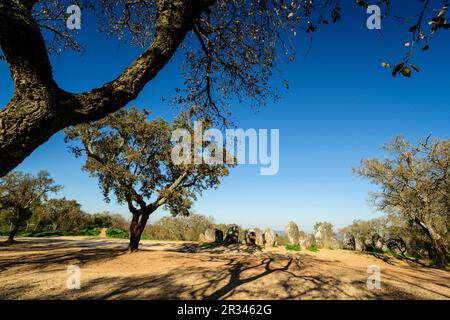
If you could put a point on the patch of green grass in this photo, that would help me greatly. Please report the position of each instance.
(116, 233)
(398, 255)
(92, 232)
(408, 255)
(293, 247)
(313, 248)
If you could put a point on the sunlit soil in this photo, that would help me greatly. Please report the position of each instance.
(37, 269)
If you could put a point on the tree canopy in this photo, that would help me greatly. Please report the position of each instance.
(415, 185)
(132, 159)
(231, 48)
(20, 193)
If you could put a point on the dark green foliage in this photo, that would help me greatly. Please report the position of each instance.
(92, 232)
(21, 194)
(109, 220)
(180, 228)
(117, 233)
(414, 186)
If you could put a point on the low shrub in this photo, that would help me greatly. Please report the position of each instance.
(91, 232)
(313, 248)
(116, 233)
(293, 247)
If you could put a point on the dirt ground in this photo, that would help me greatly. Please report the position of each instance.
(37, 269)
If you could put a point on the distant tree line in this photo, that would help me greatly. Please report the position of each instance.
(182, 228)
(25, 206)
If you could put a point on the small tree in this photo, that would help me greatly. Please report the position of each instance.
(20, 193)
(108, 219)
(131, 157)
(66, 214)
(415, 185)
(180, 227)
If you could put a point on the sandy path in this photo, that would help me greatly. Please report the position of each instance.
(37, 269)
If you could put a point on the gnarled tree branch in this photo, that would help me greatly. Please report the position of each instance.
(39, 108)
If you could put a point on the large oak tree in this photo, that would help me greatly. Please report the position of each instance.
(415, 185)
(132, 158)
(230, 53)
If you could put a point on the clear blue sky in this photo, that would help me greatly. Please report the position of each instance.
(341, 106)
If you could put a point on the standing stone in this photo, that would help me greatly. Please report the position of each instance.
(292, 232)
(212, 235)
(334, 243)
(324, 236)
(359, 245)
(349, 242)
(259, 238)
(368, 245)
(308, 241)
(318, 236)
(232, 236)
(377, 242)
(269, 237)
(218, 235)
(250, 237)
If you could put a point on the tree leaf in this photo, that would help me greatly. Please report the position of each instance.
(414, 67)
(406, 72)
(397, 68)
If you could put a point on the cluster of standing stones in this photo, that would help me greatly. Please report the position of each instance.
(267, 239)
(252, 237)
(376, 243)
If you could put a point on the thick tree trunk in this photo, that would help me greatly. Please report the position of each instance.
(441, 252)
(438, 246)
(137, 227)
(12, 234)
(135, 236)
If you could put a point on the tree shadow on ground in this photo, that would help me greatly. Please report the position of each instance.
(214, 284)
(217, 248)
(252, 275)
(239, 279)
(41, 260)
(51, 244)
